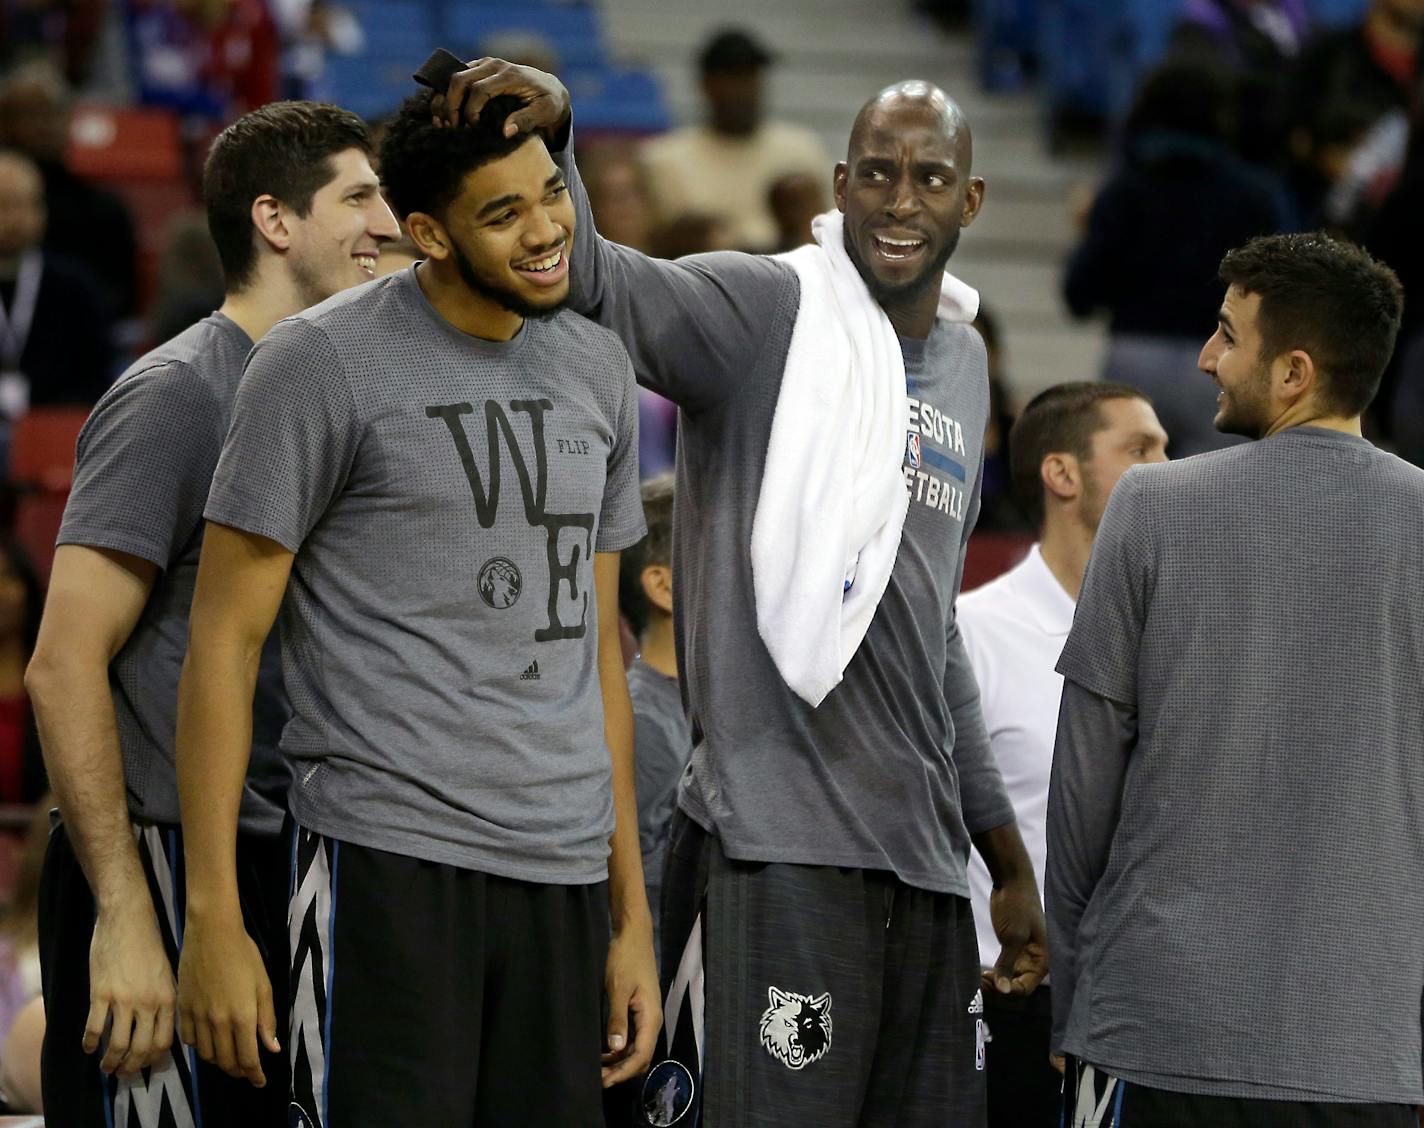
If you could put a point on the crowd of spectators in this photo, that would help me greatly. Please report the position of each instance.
(1256, 121)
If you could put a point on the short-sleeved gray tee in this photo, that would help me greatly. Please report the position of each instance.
(1249, 924)
(444, 496)
(893, 770)
(662, 742)
(145, 460)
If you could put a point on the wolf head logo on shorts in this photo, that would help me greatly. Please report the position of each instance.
(500, 583)
(667, 1093)
(796, 1029)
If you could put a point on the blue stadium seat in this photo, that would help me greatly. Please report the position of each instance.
(571, 30)
(1331, 13)
(399, 35)
(616, 100)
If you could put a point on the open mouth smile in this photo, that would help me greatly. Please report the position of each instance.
(547, 270)
(898, 248)
(366, 263)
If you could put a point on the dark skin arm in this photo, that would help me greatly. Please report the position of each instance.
(1016, 912)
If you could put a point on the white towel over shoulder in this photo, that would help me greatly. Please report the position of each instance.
(833, 499)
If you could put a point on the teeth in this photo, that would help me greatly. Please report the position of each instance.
(544, 263)
(900, 242)
(366, 262)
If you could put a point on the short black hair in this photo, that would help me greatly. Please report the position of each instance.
(655, 548)
(282, 149)
(423, 166)
(1061, 420)
(1329, 298)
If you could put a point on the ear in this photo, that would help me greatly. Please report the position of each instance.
(822, 1003)
(777, 998)
(973, 200)
(429, 234)
(269, 218)
(1061, 475)
(657, 586)
(838, 184)
(1295, 376)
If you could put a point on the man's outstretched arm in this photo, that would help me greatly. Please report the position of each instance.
(95, 598)
(224, 997)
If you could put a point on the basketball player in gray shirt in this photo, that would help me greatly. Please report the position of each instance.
(296, 214)
(1236, 816)
(438, 470)
(817, 870)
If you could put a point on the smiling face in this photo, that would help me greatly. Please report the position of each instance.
(337, 243)
(906, 190)
(509, 230)
(1232, 358)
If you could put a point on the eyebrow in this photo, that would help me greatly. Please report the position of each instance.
(1225, 319)
(514, 197)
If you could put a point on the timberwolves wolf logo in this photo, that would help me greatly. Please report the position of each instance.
(796, 1029)
(667, 1094)
(500, 583)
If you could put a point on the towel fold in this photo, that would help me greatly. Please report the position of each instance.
(833, 498)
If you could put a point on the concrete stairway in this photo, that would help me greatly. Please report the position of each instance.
(836, 53)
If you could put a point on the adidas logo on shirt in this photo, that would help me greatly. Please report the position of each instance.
(532, 673)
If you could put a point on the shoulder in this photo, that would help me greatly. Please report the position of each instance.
(671, 145)
(786, 135)
(993, 604)
(193, 367)
(574, 330)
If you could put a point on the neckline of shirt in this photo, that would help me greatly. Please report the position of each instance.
(1043, 595)
(407, 279)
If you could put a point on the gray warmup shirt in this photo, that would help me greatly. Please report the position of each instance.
(145, 460)
(893, 770)
(662, 742)
(444, 496)
(1236, 819)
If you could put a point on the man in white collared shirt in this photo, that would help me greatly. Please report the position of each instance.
(1066, 452)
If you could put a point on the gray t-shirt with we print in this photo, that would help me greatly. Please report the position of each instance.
(444, 496)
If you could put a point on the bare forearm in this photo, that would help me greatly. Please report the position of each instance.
(1004, 854)
(214, 743)
(74, 710)
(627, 894)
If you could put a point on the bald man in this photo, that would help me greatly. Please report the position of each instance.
(818, 947)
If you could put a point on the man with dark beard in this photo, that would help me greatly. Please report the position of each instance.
(444, 466)
(818, 858)
(1235, 872)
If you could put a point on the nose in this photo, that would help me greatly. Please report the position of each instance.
(902, 200)
(381, 222)
(542, 231)
(1206, 361)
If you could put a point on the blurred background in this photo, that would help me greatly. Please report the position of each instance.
(1126, 145)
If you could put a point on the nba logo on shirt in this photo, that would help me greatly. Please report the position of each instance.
(912, 451)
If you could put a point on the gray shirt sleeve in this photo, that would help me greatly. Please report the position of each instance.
(144, 461)
(293, 437)
(659, 759)
(620, 523)
(692, 326)
(1096, 736)
(984, 800)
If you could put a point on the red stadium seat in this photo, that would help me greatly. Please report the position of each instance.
(110, 144)
(42, 448)
(992, 554)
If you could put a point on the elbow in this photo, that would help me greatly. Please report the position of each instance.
(43, 676)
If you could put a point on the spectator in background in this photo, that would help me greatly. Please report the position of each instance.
(86, 223)
(617, 191)
(310, 29)
(20, 975)
(190, 278)
(997, 509)
(1069, 448)
(54, 332)
(1155, 235)
(22, 778)
(795, 200)
(726, 166)
(662, 736)
(211, 59)
(1347, 81)
(1257, 42)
